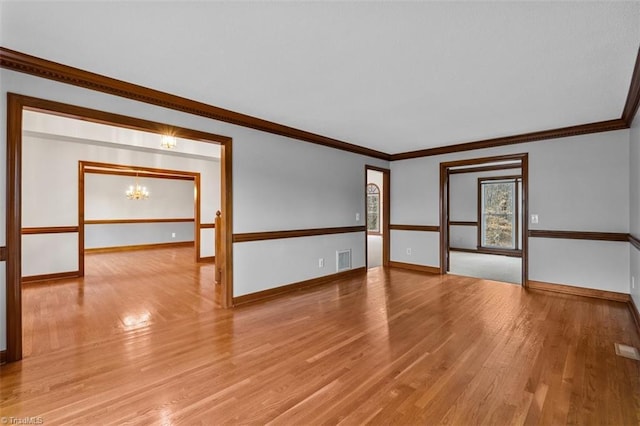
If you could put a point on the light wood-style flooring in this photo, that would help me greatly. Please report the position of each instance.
(140, 341)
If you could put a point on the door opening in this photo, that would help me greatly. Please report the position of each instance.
(68, 227)
(377, 216)
(483, 218)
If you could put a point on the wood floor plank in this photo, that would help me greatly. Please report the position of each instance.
(139, 340)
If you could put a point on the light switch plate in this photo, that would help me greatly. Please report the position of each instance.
(534, 218)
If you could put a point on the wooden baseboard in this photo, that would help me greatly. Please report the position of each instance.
(579, 291)
(635, 313)
(207, 259)
(279, 291)
(414, 267)
(3, 357)
(139, 247)
(50, 277)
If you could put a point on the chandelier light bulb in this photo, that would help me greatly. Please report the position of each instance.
(168, 142)
(137, 192)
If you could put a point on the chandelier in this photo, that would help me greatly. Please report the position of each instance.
(137, 192)
(168, 142)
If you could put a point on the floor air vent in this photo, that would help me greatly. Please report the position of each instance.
(343, 260)
(627, 351)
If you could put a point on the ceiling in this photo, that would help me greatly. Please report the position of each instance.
(391, 76)
(68, 129)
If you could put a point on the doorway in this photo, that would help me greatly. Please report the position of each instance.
(483, 212)
(16, 106)
(377, 211)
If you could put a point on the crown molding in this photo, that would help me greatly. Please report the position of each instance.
(21, 62)
(633, 96)
(562, 132)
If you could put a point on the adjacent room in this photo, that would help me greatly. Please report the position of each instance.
(116, 230)
(485, 221)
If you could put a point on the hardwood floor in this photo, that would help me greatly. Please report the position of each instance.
(395, 346)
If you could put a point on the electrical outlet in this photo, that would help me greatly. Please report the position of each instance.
(357, 217)
(321, 263)
(173, 235)
(408, 252)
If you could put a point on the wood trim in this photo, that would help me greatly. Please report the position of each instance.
(426, 228)
(226, 281)
(524, 172)
(3, 357)
(579, 235)
(274, 235)
(635, 313)
(51, 277)
(197, 211)
(484, 250)
(207, 226)
(290, 288)
(137, 174)
(113, 168)
(49, 230)
(81, 219)
(207, 259)
(634, 241)
(463, 223)
(13, 230)
(43, 68)
(414, 267)
(139, 247)
(633, 96)
(563, 132)
(483, 160)
(121, 221)
(484, 168)
(386, 215)
(3, 254)
(506, 177)
(500, 252)
(463, 250)
(579, 291)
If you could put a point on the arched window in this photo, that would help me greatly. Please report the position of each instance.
(373, 208)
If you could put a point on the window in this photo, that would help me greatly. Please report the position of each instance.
(373, 208)
(499, 213)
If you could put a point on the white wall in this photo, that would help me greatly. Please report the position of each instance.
(634, 205)
(169, 198)
(278, 184)
(579, 183)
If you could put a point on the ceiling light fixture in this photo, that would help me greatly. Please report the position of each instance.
(137, 192)
(169, 142)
